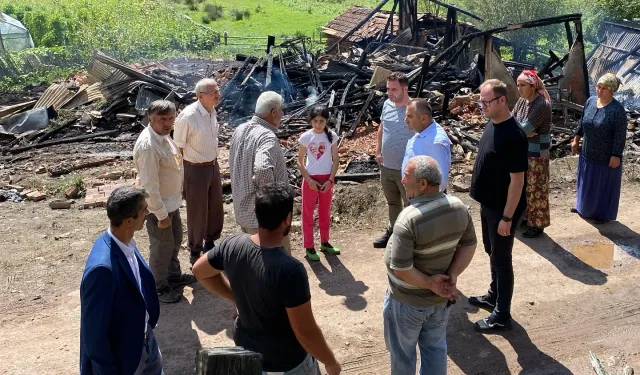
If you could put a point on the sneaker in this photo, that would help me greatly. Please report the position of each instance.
(492, 324)
(484, 302)
(208, 245)
(381, 243)
(532, 232)
(168, 295)
(312, 254)
(327, 248)
(193, 258)
(184, 279)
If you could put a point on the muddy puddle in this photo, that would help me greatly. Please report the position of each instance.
(603, 254)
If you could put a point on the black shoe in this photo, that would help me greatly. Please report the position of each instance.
(532, 232)
(492, 324)
(600, 221)
(168, 295)
(574, 210)
(208, 245)
(184, 279)
(484, 302)
(381, 243)
(193, 258)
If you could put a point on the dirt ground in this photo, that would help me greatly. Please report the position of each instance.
(576, 291)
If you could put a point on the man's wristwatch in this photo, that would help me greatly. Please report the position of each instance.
(506, 218)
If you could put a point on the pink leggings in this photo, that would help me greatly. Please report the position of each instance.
(309, 198)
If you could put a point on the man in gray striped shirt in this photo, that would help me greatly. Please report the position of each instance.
(432, 243)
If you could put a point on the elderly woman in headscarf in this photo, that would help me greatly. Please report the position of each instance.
(533, 111)
(603, 131)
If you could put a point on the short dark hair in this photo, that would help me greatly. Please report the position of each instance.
(498, 87)
(422, 106)
(124, 203)
(274, 202)
(161, 107)
(400, 77)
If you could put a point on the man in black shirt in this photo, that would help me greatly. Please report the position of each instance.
(270, 289)
(497, 184)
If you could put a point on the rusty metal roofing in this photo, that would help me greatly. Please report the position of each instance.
(341, 25)
(619, 54)
(55, 96)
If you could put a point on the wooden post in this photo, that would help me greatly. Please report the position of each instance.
(271, 41)
(228, 361)
(567, 27)
(226, 35)
(579, 39)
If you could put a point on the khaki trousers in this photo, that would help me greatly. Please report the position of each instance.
(391, 180)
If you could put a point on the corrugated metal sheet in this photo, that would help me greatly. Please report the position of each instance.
(55, 96)
(620, 40)
(86, 94)
(97, 71)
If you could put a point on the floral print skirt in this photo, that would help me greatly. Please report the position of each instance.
(538, 215)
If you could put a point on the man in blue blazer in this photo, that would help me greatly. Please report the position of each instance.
(119, 303)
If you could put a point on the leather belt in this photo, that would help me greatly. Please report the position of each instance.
(205, 164)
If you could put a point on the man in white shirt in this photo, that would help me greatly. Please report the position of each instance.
(196, 134)
(159, 165)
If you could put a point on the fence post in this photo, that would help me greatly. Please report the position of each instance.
(226, 35)
(271, 41)
(228, 361)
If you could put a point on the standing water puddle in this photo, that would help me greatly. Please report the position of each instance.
(602, 254)
(597, 255)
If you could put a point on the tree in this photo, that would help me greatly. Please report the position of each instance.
(621, 9)
(502, 12)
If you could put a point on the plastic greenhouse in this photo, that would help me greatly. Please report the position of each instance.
(13, 35)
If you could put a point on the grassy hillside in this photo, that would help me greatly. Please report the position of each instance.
(263, 17)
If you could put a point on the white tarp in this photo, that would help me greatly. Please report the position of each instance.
(13, 35)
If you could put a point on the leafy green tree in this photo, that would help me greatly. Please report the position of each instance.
(621, 9)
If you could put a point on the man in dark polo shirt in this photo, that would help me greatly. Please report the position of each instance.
(498, 185)
(270, 289)
(433, 241)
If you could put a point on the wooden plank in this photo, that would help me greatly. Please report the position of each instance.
(10, 110)
(63, 141)
(365, 107)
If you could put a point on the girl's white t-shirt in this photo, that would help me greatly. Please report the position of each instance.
(319, 159)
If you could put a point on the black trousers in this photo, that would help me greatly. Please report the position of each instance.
(499, 249)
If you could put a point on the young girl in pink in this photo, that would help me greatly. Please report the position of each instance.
(319, 146)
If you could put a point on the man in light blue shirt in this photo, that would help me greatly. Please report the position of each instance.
(430, 138)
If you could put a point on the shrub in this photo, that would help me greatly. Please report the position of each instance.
(206, 19)
(236, 14)
(258, 9)
(214, 11)
(246, 13)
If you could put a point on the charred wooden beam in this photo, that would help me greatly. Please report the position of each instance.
(365, 107)
(63, 141)
(342, 101)
(449, 6)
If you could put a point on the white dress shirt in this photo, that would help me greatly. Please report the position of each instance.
(159, 165)
(130, 253)
(196, 133)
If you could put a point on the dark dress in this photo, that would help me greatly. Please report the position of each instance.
(604, 132)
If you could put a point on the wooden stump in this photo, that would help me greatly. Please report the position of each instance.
(228, 361)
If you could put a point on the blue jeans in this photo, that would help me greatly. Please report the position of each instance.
(407, 326)
(308, 367)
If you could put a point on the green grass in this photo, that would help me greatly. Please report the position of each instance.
(273, 17)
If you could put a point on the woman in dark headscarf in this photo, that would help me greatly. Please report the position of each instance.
(533, 111)
(603, 130)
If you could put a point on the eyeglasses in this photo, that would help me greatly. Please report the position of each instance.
(485, 103)
(212, 92)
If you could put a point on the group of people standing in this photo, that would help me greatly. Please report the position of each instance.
(430, 238)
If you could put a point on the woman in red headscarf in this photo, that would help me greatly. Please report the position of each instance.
(533, 111)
